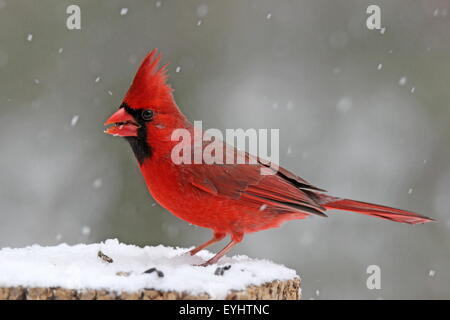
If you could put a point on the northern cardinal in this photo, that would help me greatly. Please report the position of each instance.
(230, 199)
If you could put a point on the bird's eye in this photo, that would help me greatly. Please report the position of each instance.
(147, 115)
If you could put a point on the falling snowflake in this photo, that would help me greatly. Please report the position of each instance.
(60, 50)
(344, 104)
(199, 23)
(413, 89)
(410, 191)
(74, 120)
(85, 231)
(402, 81)
(158, 4)
(29, 37)
(97, 79)
(123, 11)
(178, 69)
(36, 81)
(432, 273)
(263, 207)
(97, 183)
(379, 66)
(269, 15)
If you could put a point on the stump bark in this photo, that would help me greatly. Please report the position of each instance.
(275, 290)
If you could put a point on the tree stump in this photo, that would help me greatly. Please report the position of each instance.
(114, 271)
(275, 290)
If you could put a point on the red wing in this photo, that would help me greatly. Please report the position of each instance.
(245, 182)
(280, 192)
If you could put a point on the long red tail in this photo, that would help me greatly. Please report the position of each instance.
(374, 210)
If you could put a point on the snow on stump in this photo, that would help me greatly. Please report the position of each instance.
(112, 270)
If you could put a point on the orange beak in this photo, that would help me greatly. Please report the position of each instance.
(123, 124)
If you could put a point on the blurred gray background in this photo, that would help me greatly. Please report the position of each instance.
(364, 114)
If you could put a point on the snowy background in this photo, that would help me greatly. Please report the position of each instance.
(364, 114)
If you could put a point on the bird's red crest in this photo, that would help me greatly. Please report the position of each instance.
(149, 88)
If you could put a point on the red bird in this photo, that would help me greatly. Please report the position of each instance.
(230, 199)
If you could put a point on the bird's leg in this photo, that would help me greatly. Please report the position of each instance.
(216, 238)
(235, 239)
